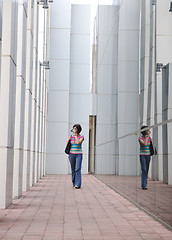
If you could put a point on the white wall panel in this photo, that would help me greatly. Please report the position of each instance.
(132, 14)
(59, 75)
(80, 45)
(132, 46)
(83, 14)
(132, 86)
(106, 54)
(165, 52)
(58, 105)
(122, 47)
(79, 107)
(80, 75)
(110, 15)
(60, 43)
(56, 164)
(60, 14)
(58, 96)
(104, 109)
(56, 130)
(128, 82)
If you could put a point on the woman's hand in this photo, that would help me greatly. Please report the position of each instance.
(142, 142)
(69, 138)
(79, 141)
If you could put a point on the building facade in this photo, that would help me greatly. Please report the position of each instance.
(23, 97)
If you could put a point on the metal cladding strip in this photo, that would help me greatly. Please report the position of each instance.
(136, 132)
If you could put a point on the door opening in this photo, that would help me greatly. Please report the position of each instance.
(92, 142)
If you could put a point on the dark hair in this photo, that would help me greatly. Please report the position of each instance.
(144, 132)
(78, 127)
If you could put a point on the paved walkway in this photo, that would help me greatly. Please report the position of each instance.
(53, 210)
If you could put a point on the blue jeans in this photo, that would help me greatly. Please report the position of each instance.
(144, 161)
(76, 163)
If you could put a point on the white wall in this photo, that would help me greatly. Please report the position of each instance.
(80, 97)
(128, 85)
(69, 99)
(107, 59)
(58, 95)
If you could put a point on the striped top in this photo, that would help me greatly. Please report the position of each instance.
(76, 148)
(144, 149)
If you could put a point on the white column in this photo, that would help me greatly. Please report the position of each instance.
(58, 95)
(153, 169)
(34, 93)
(45, 126)
(79, 88)
(128, 85)
(20, 100)
(167, 129)
(28, 97)
(163, 55)
(169, 126)
(106, 88)
(144, 60)
(36, 178)
(7, 99)
(40, 124)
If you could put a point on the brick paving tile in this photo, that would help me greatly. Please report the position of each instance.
(54, 210)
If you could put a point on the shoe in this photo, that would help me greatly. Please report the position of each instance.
(145, 188)
(76, 187)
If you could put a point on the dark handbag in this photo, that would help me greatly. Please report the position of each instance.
(152, 152)
(68, 147)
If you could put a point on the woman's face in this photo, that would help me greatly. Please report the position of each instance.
(75, 130)
(148, 132)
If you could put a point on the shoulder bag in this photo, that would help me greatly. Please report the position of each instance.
(68, 147)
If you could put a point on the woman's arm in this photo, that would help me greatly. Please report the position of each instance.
(69, 138)
(79, 141)
(144, 142)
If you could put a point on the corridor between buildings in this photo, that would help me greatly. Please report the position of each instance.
(103, 64)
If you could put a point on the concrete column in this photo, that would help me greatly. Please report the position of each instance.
(34, 93)
(0, 35)
(28, 97)
(106, 89)
(7, 98)
(58, 116)
(163, 55)
(20, 100)
(37, 138)
(44, 128)
(144, 60)
(153, 169)
(40, 123)
(167, 129)
(169, 125)
(128, 85)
